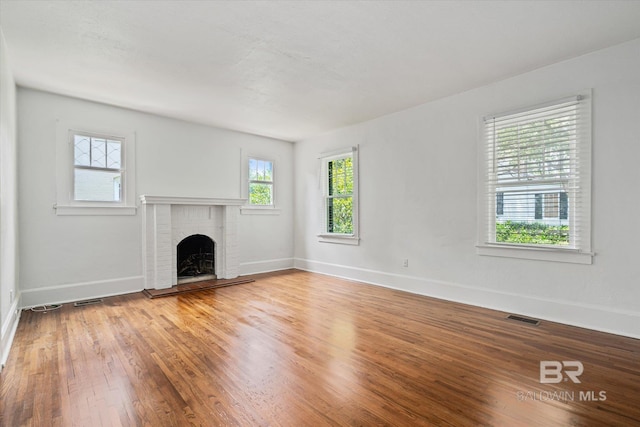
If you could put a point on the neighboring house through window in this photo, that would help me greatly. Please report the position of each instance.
(538, 172)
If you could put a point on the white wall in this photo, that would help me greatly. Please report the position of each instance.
(418, 200)
(66, 258)
(9, 295)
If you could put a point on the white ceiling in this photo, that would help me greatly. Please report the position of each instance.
(292, 69)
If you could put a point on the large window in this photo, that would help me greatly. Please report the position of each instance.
(98, 173)
(260, 182)
(340, 202)
(538, 172)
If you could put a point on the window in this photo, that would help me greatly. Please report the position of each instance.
(340, 202)
(97, 174)
(538, 172)
(552, 205)
(260, 182)
(95, 171)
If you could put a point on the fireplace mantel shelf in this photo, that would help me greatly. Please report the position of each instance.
(199, 201)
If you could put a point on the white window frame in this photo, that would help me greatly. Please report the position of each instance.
(65, 168)
(579, 249)
(324, 235)
(120, 170)
(249, 209)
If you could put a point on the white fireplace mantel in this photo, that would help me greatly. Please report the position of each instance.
(194, 201)
(168, 220)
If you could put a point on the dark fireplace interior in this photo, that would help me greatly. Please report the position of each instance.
(196, 256)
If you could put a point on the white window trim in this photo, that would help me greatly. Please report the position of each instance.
(486, 210)
(535, 253)
(249, 209)
(344, 239)
(65, 202)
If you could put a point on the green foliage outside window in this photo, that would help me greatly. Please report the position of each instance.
(260, 194)
(341, 215)
(340, 196)
(260, 182)
(532, 233)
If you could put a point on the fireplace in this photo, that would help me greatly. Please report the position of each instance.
(195, 259)
(167, 221)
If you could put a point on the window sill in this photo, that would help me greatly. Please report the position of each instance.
(259, 210)
(538, 254)
(343, 239)
(65, 210)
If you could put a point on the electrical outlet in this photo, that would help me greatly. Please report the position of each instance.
(405, 263)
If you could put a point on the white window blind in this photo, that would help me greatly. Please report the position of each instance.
(538, 176)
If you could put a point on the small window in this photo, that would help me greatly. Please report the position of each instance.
(340, 202)
(260, 182)
(95, 170)
(97, 175)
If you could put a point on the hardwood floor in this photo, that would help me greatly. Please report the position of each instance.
(302, 349)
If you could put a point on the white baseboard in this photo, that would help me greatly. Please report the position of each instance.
(8, 331)
(81, 291)
(105, 288)
(266, 266)
(604, 319)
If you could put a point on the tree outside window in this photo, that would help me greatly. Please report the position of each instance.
(339, 179)
(260, 182)
(339, 199)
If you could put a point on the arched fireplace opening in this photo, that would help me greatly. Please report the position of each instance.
(196, 259)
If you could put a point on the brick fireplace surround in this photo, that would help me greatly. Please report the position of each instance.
(168, 220)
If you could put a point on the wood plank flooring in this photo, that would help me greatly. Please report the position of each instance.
(301, 349)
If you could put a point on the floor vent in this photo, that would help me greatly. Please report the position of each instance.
(526, 320)
(87, 302)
